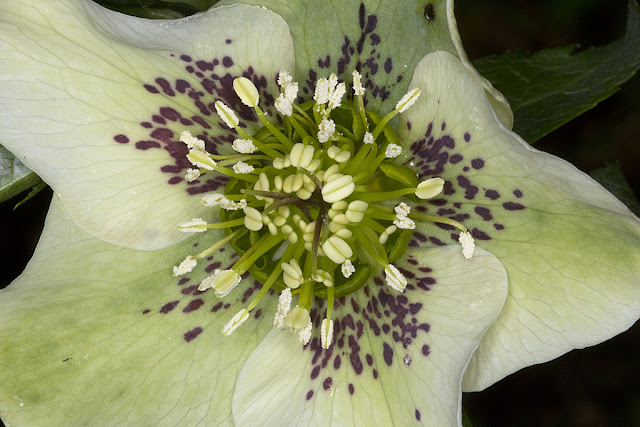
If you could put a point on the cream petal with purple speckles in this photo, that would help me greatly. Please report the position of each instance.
(129, 344)
(111, 93)
(396, 358)
(571, 249)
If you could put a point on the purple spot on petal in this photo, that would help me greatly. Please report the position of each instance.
(477, 163)
(417, 415)
(467, 137)
(351, 389)
(511, 206)
(169, 306)
(309, 394)
(492, 194)
(227, 61)
(121, 139)
(326, 384)
(517, 193)
(387, 353)
(193, 306)
(192, 334)
(426, 350)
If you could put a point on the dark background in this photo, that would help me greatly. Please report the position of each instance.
(595, 386)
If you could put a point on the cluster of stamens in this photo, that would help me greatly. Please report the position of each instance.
(311, 203)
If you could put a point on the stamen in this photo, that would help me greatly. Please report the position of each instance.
(196, 225)
(358, 89)
(237, 320)
(394, 278)
(227, 115)
(244, 146)
(393, 151)
(246, 91)
(347, 268)
(185, 266)
(326, 130)
(192, 175)
(191, 141)
(468, 245)
(408, 100)
(430, 188)
(368, 138)
(242, 167)
(326, 333)
(284, 305)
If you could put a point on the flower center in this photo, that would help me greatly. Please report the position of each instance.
(312, 203)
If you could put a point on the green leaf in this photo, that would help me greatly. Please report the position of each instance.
(612, 178)
(553, 86)
(15, 177)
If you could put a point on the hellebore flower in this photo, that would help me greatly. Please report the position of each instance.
(111, 110)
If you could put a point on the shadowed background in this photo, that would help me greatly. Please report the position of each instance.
(595, 386)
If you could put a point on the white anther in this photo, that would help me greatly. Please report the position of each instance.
(196, 225)
(344, 233)
(333, 151)
(335, 98)
(188, 264)
(326, 129)
(284, 106)
(243, 168)
(342, 156)
(347, 268)
(314, 165)
(333, 81)
(292, 274)
(244, 146)
(284, 78)
(339, 188)
(246, 91)
(337, 249)
(326, 333)
(468, 245)
(358, 89)
(253, 219)
(286, 229)
(287, 161)
(327, 175)
(237, 320)
(323, 277)
(321, 94)
(212, 199)
(394, 278)
(430, 188)
(408, 100)
(404, 223)
(227, 115)
(291, 92)
(383, 238)
(191, 141)
(201, 160)
(293, 238)
(222, 282)
(402, 209)
(230, 205)
(278, 163)
(192, 175)
(368, 138)
(392, 151)
(284, 305)
(355, 211)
